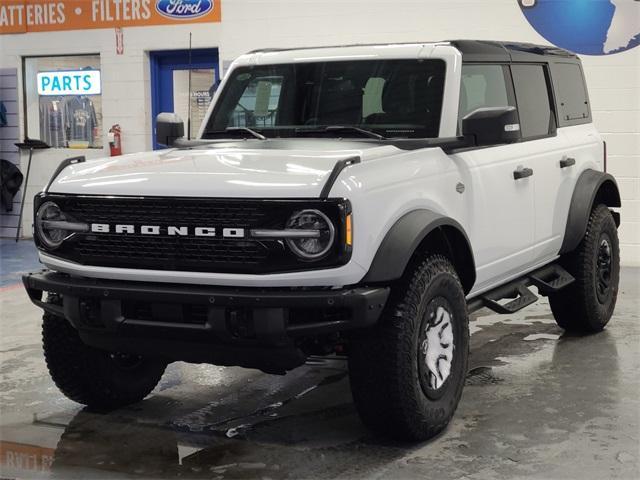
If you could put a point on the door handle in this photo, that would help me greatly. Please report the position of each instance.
(522, 173)
(567, 162)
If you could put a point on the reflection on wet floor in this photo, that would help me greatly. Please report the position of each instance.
(538, 403)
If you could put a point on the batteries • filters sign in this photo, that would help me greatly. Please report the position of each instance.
(74, 82)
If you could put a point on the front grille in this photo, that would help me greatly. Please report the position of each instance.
(170, 211)
(190, 252)
(171, 252)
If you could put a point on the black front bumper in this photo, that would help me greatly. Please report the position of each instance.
(249, 327)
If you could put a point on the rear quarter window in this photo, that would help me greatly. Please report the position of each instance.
(571, 94)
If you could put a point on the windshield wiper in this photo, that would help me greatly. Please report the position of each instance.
(248, 130)
(342, 128)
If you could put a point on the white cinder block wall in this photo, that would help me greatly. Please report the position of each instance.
(126, 93)
(614, 80)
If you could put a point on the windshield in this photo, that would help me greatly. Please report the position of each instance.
(389, 98)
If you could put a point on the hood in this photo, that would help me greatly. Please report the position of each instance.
(295, 168)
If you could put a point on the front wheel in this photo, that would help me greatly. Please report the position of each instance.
(407, 373)
(587, 304)
(93, 377)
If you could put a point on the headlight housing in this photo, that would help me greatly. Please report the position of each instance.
(53, 227)
(316, 246)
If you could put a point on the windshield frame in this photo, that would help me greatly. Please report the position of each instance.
(229, 98)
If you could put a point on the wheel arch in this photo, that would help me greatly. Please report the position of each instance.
(415, 233)
(593, 187)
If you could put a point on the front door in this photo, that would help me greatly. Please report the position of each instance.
(501, 216)
(183, 83)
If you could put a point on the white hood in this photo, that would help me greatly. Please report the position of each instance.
(294, 168)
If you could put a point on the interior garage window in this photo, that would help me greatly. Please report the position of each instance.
(534, 105)
(482, 86)
(571, 94)
(63, 100)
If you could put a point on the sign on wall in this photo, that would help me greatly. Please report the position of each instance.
(23, 16)
(589, 27)
(75, 82)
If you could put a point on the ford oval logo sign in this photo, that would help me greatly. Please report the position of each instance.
(184, 9)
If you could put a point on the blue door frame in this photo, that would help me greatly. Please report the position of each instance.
(163, 64)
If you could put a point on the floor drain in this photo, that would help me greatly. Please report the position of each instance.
(482, 376)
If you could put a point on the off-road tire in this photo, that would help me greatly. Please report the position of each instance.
(581, 307)
(91, 376)
(384, 361)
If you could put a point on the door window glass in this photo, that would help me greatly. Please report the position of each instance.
(532, 95)
(482, 86)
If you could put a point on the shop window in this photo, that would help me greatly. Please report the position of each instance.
(63, 100)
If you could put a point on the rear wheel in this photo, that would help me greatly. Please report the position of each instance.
(408, 372)
(587, 304)
(93, 377)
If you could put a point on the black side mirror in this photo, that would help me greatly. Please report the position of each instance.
(169, 128)
(492, 125)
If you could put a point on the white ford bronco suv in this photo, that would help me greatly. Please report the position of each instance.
(357, 200)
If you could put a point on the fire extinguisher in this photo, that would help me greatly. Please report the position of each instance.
(115, 140)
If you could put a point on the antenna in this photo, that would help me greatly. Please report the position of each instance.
(189, 95)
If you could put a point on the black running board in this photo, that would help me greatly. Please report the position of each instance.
(548, 279)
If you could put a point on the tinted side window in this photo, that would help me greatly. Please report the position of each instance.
(571, 94)
(532, 96)
(482, 86)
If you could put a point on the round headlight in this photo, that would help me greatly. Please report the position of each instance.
(322, 233)
(49, 233)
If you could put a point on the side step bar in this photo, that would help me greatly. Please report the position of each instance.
(548, 279)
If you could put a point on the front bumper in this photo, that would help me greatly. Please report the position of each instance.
(349, 274)
(249, 327)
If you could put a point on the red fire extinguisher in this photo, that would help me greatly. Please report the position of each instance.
(115, 140)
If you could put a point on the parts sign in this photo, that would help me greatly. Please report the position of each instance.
(23, 16)
(80, 82)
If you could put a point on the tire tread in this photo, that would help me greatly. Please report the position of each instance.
(387, 402)
(80, 372)
(575, 308)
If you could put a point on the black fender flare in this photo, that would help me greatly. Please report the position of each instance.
(407, 235)
(591, 186)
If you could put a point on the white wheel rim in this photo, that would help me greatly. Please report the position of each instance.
(438, 347)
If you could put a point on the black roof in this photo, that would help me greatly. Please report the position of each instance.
(475, 50)
(493, 51)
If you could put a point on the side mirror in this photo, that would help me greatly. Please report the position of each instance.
(169, 128)
(492, 125)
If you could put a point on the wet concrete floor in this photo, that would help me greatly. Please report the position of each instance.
(538, 404)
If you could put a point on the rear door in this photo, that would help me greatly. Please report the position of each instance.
(583, 149)
(546, 153)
